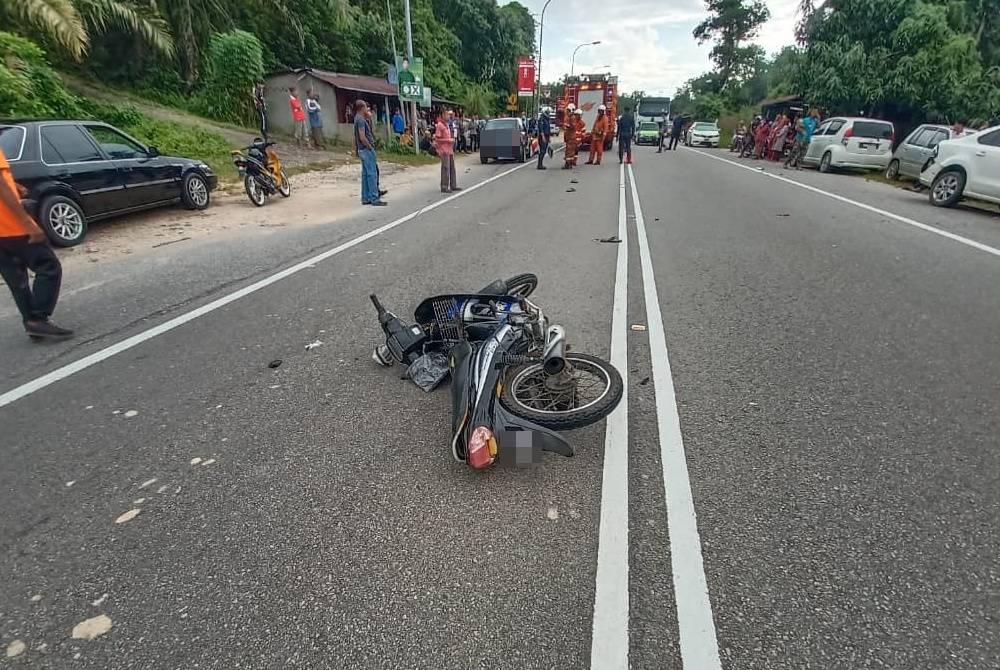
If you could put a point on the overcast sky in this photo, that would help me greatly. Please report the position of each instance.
(647, 43)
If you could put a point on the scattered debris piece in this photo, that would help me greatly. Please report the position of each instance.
(571, 190)
(163, 244)
(552, 514)
(208, 462)
(92, 628)
(148, 482)
(89, 407)
(782, 214)
(638, 327)
(117, 411)
(645, 380)
(128, 516)
(655, 219)
(276, 363)
(196, 460)
(608, 240)
(15, 648)
(100, 601)
(70, 483)
(274, 386)
(313, 345)
(163, 488)
(129, 414)
(35, 598)
(573, 181)
(138, 501)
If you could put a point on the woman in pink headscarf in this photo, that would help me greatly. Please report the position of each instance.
(777, 144)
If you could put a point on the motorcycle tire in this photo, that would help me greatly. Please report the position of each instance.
(523, 285)
(577, 417)
(254, 191)
(284, 186)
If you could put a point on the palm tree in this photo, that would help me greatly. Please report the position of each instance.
(70, 23)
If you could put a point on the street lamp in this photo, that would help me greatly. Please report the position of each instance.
(541, 33)
(572, 63)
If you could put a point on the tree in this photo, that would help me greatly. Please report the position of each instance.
(732, 23)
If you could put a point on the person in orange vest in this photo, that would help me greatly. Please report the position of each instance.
(570, 137)
(598, 133)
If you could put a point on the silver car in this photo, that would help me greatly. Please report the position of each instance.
(851, 142)
(913, 153)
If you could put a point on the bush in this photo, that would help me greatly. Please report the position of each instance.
(29, 87)
(235, 62)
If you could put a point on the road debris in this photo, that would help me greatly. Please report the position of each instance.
(276, 363)
(163, 488)
(138, 501)
(208, 462)
(92, 628)
(129, 414)
(638, 327)
(782, 214)
(313, 345)
(571, 190)
(15, 648)
(608, 240)
(552, 514)
(35, 598)
(645, 380)
(163, 244)
(196, 460)
(128, 516)
(573, 181)
(100, 601)
(148, 482)
(70, 483)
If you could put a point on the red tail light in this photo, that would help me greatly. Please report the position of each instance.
(848, 133)
(482, 448)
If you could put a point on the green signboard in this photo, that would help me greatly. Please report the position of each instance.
(410, 76)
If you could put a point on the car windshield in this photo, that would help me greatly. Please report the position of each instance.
(877, 129)
(705, 126)
(501, 124)
(648, 125)
(11, 140)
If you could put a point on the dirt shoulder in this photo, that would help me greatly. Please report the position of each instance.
(318, 197)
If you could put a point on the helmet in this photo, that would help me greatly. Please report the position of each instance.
(571, 107)
(578, 112)
(602, 108)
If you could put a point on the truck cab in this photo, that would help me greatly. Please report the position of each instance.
(588, 92)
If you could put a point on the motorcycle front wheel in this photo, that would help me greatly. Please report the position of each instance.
(284, 186)
(588, 391)
(254, 191)
(523, 285)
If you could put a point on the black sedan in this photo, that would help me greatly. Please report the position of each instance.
(504, 139)
(76, 172)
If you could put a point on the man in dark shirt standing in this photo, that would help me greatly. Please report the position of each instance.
(544, 137)
(626, 131)
(675, 132)
(364, 140)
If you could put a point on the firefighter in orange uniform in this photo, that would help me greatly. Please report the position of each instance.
(599, 132)
(570, 137)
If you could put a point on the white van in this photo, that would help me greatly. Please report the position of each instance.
(846, 142)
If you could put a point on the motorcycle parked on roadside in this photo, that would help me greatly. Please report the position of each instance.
(514, 380)
(261, 171)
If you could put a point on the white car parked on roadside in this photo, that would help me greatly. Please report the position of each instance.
(846, 142)
(966, 167)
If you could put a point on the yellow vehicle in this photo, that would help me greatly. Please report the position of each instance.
(260, 169)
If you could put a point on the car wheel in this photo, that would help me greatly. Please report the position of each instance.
(520, 155)
(63, 221)
(484, 160)
(892, 172)
(194, 191)
(947, 188)
(825, 163)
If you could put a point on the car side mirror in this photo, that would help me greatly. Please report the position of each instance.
(152, 152)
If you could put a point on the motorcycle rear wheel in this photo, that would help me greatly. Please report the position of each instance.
(254, 191)
(526, 395)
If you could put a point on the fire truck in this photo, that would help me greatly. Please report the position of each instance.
(588, 92)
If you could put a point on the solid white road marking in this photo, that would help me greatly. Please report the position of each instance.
(165, 327)
(881, 212)
(698, 643)
(609, 640)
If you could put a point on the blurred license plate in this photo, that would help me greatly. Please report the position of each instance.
(866, 145)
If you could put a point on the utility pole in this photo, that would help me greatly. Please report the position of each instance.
(409, 53)
(541, 34)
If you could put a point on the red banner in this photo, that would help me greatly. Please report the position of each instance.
(525, 76)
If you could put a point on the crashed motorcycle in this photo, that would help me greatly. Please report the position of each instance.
(261, 171)
(514, 381)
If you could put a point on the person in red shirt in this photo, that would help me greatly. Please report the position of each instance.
(298, 118)
(444, 143)
(23, 247)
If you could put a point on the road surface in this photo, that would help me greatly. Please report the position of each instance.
(805, 474)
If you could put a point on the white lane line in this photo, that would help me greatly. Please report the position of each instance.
(165, 327)
(609, 640)
(698, 643)
(881, 212)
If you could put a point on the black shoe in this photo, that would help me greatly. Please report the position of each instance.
(446, 190)
(39, 330)
(542, 167)
(381, 193)
(456, 188)
(379, 203)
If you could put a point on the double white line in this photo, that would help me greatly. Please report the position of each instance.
(699, 646)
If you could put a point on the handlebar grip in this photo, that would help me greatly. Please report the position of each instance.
(378, 305)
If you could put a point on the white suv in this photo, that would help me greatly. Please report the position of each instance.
(966, 167)
(851, 142)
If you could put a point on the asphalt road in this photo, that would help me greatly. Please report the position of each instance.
(833, 372)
